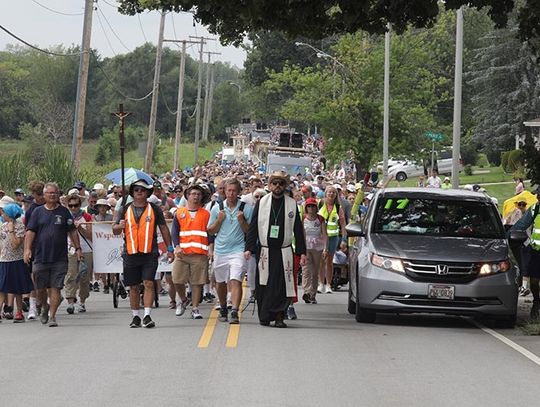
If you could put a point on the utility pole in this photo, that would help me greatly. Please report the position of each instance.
(386, 109)
(82, 84)
(456, 133)
(209, 68)
(179, 105)
(210, 101)
(199, 90)
(155, 93)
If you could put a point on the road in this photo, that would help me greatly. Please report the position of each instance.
(324, 358)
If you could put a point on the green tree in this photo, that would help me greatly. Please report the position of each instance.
(323, 18)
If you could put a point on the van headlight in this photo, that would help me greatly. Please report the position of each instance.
(387, 263)
(488, 269)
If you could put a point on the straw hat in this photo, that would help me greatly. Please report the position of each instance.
(279, 175)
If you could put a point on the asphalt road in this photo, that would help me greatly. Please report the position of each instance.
(324, 358)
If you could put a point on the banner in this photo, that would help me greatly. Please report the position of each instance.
(108, 249)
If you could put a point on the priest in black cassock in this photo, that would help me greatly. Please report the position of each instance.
(275, 223)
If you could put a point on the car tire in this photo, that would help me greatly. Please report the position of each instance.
(363, 314)
(506, 322)
(351, 307)
(401, 177)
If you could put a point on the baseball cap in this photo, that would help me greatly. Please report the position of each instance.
(79, 185)
(351, 188)
(19, 191)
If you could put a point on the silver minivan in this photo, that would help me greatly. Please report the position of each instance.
(431, 251)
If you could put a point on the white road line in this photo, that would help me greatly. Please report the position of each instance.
(529, 355)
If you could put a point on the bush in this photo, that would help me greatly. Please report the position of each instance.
(482, 161)
(469, 154)
(13, 172)
(468, 169)
(109, 143)
(57, 168)
(504, 160)
(36, 142)
(515, 161)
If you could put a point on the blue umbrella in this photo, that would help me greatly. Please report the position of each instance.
(130, 175)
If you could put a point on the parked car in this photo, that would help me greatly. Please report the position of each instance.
(434, 251)
(407, 169)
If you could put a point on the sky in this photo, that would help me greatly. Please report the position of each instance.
(46, 23)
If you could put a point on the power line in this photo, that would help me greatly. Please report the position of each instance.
(173, 26)
(36, 48)
(109, 4)
(105, 34)
(56, 11)
(114, 86)
(112, 30)
(140, 25)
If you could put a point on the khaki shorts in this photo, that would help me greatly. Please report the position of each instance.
(192, 269)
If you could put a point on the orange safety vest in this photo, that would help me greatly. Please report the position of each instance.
(139, 236)
(193, 236)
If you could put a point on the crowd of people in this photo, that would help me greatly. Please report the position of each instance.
(229, 224)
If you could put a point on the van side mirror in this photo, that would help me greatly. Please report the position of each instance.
(518, 236)
(355, 229)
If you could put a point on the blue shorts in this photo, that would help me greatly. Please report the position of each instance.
(333, 243)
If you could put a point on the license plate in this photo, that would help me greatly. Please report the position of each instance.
(441, 292)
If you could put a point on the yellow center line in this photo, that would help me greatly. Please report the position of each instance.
(234, 330)
(209, 329)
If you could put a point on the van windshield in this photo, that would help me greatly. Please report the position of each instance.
(438, 217)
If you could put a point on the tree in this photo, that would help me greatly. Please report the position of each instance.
(322, 18)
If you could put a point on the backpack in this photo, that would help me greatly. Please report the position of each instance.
(240, 209)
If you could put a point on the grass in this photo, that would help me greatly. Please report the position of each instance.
(530, 328)
(92, 173)
(491, 175)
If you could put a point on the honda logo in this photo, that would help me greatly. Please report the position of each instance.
(442, 269)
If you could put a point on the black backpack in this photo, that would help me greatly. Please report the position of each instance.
(241, 209)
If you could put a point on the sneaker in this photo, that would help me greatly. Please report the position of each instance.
(147, 322)
(44, 318)
(25, 304)
(52, 323)
(181, 308)
(70, 308)
(313, 300)
(217, 306)
(195, 314)
(163, 292)
(223, 314)
(251, 299)
(122, 292)
(172, 304)
(19, 317)
(328, 289)
(106, 290)
(135, 322)
(234, 318)
(291, 313)
(524, 291)
(320, 288)
(95, 288)
(82, 308)
(32, 314)
(208, 298)
(307, 298)
(229, 305)
(38, 309)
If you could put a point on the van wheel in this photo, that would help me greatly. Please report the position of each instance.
(351, 308)
(507, 322)
(401, 176)
(362, 314)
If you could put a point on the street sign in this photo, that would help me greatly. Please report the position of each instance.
(434, 136)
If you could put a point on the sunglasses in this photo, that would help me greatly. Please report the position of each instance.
(522, 204)
(74, 205)
(139, 190)
(282, 183)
